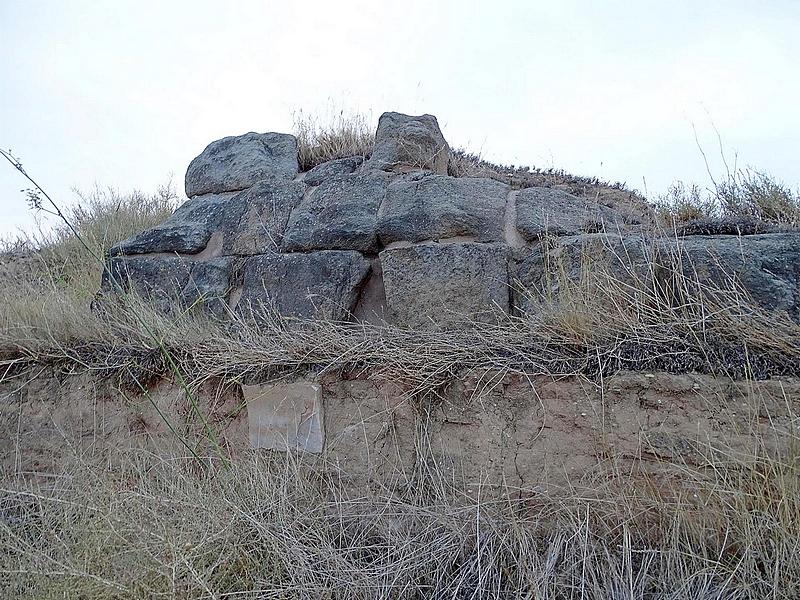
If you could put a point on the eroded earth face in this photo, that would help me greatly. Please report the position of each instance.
(502, 431)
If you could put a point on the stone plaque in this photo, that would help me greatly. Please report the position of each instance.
(285, 416)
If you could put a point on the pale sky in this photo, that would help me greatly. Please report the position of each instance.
(125, 93)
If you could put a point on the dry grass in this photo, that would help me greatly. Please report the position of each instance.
(629, 312)
(746, 196)
(49, 278)
(756, 194)
(340, 136)
(140, 526)
(636, 312)
(135, 525)
(464, 163)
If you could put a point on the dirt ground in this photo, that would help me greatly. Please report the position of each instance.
(490, 429)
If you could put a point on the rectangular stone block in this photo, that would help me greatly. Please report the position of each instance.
(437, 207)
(446, 285)
(314, 285)
(285, 416)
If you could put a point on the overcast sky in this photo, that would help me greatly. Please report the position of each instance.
(125, 93)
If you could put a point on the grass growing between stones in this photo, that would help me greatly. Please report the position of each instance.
(318, 141)
(614, 313)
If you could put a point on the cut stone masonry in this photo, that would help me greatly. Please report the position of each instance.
(394, 239)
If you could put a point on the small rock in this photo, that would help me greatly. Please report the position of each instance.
(332, 168)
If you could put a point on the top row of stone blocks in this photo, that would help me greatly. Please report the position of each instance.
(403, 143)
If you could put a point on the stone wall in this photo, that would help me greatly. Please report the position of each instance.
(395, 239)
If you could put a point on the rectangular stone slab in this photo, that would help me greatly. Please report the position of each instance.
(445, 285)
(316, 285)
(435, 207)
(285, 416)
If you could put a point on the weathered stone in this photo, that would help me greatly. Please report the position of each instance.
(371, 307)
(318, 285)
(437, 207)
(341, 214)
(186, 231)
(237, 162)
(208, 286)
(445, 284)
(546, 273)
(406, 143)
(254, 220)
(171, 283)
(467, 227)
(332, 168)
(285, 416)
(766, 266)
(159, 279)
(546, 211)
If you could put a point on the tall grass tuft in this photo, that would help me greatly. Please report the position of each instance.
(344, 134)
(274, 527)
(52, 277)
(743, 195)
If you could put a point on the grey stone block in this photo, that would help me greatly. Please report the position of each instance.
(437, 207)
(446, 285)
(237, 162)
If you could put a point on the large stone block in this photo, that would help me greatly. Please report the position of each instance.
(237, 162)
(437, 207)
(406, 143)
(545, 273)
(159, 279)
(285, 416)
(445, 284)
(208, 286)
(171, 283)
(187, 231)
(546, 211)
(249, 222)
(766, 266)
(254, 220)
(318, 285)
(341, 214)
